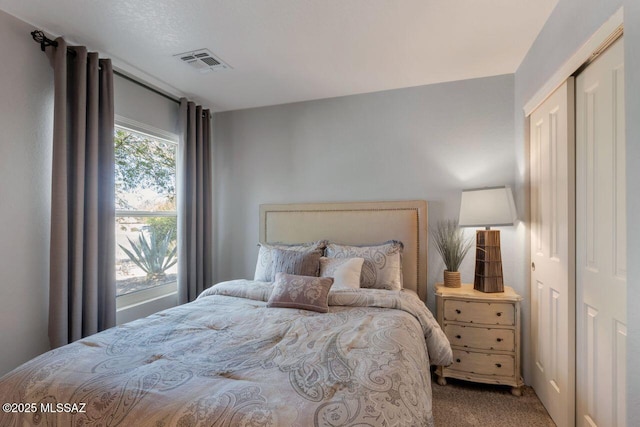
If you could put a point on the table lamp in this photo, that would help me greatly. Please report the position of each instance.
(487, 207)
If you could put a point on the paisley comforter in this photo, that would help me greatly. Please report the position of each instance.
(228, 360)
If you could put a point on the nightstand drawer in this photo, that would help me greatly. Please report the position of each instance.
(479, 312)
(481, 338)
(483, 363)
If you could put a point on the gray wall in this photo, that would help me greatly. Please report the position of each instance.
(26, 100)
(425, 142)
(570, 25)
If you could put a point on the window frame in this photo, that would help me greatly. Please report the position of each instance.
(160, 291)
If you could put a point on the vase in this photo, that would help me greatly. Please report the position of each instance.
(452, 279)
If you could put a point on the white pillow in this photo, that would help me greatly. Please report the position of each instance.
(345, 271)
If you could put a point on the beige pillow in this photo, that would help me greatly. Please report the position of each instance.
(345, 272)
(264, 265)
(382, 267)
(303, 292)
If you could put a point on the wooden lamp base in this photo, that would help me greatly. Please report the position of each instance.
(488, 276)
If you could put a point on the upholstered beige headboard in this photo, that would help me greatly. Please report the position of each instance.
(355, 224)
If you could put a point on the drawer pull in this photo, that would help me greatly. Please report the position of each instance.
(458, 336)
(458, 311)
(458, 360)
(498, 365)
(499, 314)
(499, 340)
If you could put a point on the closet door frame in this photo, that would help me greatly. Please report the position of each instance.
(608, 33)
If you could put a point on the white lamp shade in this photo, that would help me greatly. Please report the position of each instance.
(486, 207)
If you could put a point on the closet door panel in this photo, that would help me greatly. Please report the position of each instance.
(601, 262)
(553, 253)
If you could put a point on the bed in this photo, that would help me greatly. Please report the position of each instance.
(229, 359)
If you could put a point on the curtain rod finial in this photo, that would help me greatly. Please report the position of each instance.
(39, 37)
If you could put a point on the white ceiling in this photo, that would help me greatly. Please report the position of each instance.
(286, 51)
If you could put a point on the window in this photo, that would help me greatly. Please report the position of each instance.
(146, 218)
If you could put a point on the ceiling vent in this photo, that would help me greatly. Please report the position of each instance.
(203, 60)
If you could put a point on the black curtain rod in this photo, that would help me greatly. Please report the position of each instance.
(44, 41)
(139, 83)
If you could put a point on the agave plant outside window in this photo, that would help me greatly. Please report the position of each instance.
(153, 256)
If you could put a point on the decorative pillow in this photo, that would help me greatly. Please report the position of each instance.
(345, 272)
(382, 267)
(264, 266)
(304, 292)
(305, 263)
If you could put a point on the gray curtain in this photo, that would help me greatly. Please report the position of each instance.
(194, 202)
(82, 259)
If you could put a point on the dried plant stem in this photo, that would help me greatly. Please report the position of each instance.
(451, 243)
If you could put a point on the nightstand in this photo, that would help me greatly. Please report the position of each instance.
(484, 332)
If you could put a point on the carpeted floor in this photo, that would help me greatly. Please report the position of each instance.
(462, 403)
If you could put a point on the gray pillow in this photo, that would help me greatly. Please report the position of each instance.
(303, 292)
(382, 267)
(296, 262)
(264, 265)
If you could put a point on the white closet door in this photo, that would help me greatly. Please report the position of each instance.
(601, 262)
(553, 253)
